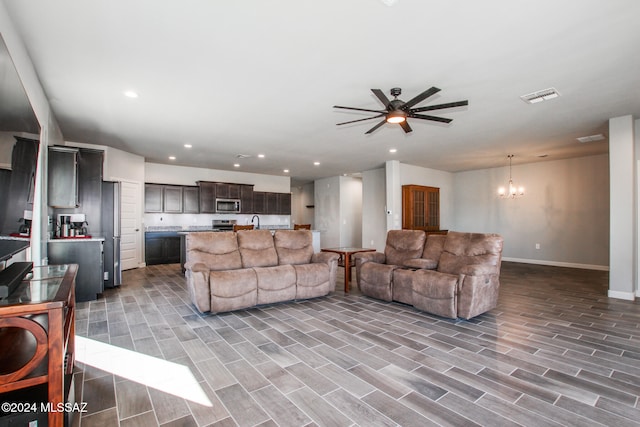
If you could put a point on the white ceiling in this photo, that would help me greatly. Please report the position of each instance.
(256, 76)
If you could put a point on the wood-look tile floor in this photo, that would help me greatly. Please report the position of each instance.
(556, 352)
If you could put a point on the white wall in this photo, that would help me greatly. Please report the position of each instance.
(327, 210)
(565, 210)
(350, 211)
(432, 178)
(302, 205)
(183, 175)
(49, 134)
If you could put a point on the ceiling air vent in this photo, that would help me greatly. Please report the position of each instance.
(243, 156)
(591, 138)
(541, 95)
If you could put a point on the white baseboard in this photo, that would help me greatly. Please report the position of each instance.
(558, 263)
(621, 295)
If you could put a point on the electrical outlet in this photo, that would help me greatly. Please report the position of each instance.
(537, 245)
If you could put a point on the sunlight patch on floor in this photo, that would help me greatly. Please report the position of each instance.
(151, 371)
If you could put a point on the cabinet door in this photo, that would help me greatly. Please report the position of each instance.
(153, 198)
(234, 191)
(172, 199)
(172, 250)
(246, 198)
(259, 202)
(420, 208)
(207, 197)
(90, 186)
(153, 250)
(222, 190)
(63, 177)
(88, 256)
(272, 204)
(18, 184)
(190, 200)
(284, 203)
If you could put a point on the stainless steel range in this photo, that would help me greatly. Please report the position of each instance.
(223, 224)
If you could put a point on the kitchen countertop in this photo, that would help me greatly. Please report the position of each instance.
(10, 247)
(78, 239)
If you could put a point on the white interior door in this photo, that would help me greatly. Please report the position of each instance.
(130, 225)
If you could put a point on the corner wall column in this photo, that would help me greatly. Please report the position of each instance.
(622, 205)
(394, 195)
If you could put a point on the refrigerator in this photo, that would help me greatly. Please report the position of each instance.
(111, 231)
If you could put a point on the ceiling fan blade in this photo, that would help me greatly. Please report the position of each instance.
(405, 126)
(432, 118)
(359, 120)
(361, 109)
(440, 106)
(419, 98)
(376, 127)
(382, 97)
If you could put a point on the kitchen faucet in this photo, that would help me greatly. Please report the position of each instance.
(254, 217)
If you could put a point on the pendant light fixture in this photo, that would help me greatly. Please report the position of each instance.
(511, 191)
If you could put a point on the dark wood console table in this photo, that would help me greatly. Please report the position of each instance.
(37, 334)
(345, 261)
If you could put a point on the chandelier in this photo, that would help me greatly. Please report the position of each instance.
(511, 191)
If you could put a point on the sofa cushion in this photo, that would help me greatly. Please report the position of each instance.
(293, 246)
(313, 280)
(403, 285)
(276, 283)
(433, 246)
(256, 248)
(402, 245)
(435, 293)
(216, 250)
(233, 289)
(462, 249)
(420, 263)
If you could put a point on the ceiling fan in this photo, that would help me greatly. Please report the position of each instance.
(398, 111)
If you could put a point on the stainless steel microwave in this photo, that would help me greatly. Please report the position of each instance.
(227, 205)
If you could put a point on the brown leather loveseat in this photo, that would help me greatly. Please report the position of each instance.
(454, 275)
(234, 270)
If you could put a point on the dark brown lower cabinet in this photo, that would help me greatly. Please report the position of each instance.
(161, 248)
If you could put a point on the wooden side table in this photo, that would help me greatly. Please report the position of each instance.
(345, 261)
(40, 316)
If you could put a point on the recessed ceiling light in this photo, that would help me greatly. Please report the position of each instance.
(236, 165)
(130, 94)
(261, 156)
(286, 171)
(188, 145)
(316, 163)
(392, 150)
(172, 157)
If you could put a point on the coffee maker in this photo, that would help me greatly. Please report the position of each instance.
(79, 225)
(25, 227)
(64, 225)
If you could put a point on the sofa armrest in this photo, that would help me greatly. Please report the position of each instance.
(421, 264)
(198, 285)
(478, 270)
(196, 266)
(362, 257)
(324, 257)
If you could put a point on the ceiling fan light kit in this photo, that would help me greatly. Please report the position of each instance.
(397, 111)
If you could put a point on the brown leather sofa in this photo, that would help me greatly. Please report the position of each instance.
(234, 270)
(454, 275)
